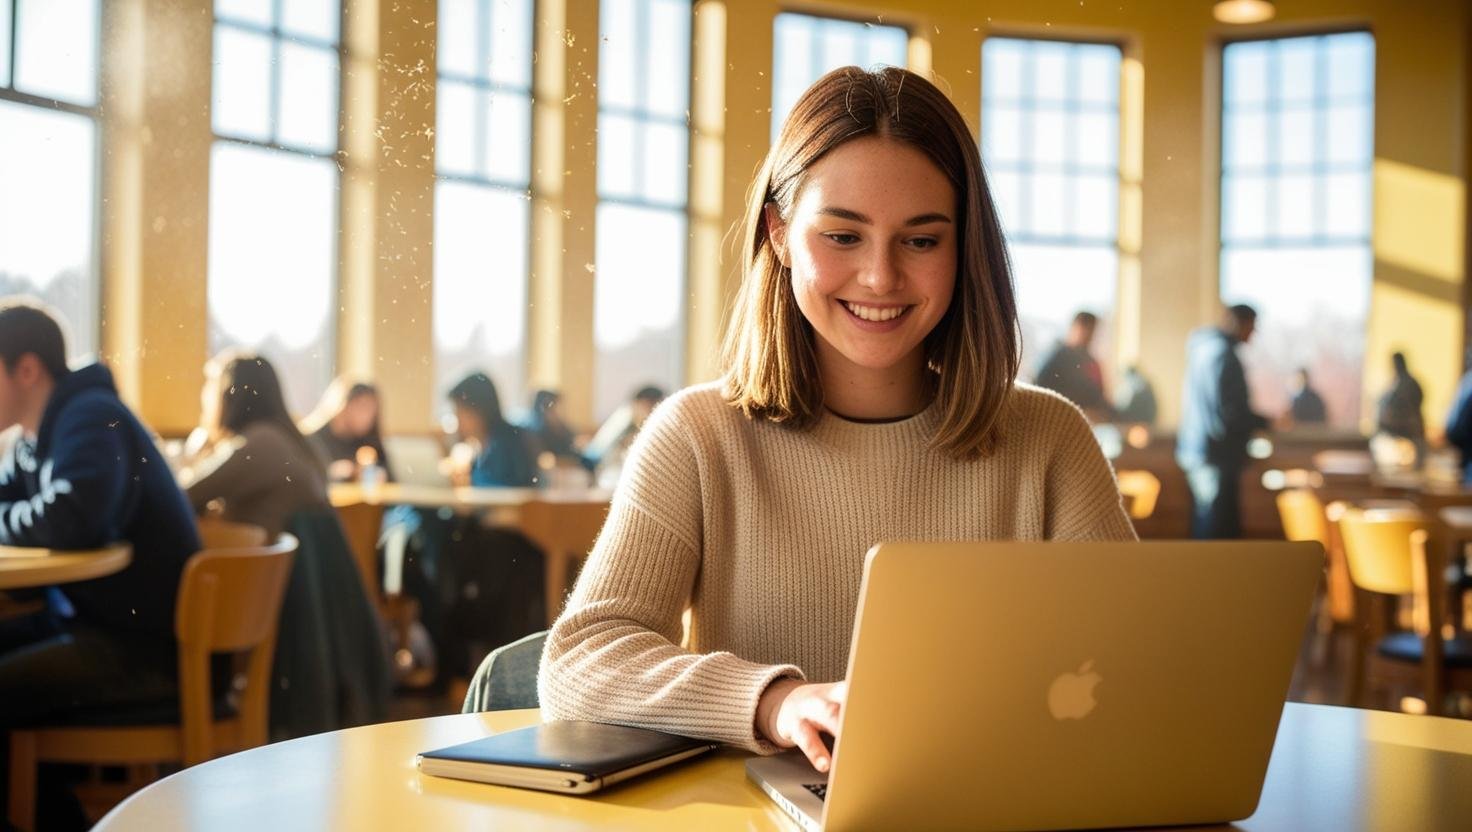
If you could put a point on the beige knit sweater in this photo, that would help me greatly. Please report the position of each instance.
(762, 530)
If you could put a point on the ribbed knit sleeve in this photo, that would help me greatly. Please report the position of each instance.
(614, 654)
(1082, 497)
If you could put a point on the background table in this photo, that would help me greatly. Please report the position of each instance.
(1332, 768)
(23, 567)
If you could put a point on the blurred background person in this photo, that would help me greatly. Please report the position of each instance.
(547, 427)
(1398, 414)
(1307, 406)
(345, 423)
(493, 452)
(1073, 372)
(604, 453)
(251, 458)
(1216, 422)
(1134, 398)
(1459, 422)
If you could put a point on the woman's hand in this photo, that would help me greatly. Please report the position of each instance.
(794, 713)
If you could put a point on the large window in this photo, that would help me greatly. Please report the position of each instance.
(1050, 140)
(643, 177)
(274, 188)
(806, 47)
(1297, 132)
(48, 159)
(482, 210)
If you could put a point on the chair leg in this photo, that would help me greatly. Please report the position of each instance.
(22, 810)
(1355, 671)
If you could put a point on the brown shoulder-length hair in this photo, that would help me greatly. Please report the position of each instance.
(769, 360)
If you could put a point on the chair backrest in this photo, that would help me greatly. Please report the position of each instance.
(1141, 490)
(1303, 517)
(215, 533)
(507, 679)
(229, 600)
(1377, 547)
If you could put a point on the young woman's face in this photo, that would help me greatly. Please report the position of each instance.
(872, 247)
(359, 414)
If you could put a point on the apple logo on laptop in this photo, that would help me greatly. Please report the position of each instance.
(1071, 696)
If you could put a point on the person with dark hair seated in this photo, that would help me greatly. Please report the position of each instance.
(500, 454)
(344, 427)
(549, 429)
(83, 473)
(251, 457)
(1072, 371)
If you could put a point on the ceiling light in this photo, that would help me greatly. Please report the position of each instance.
(1243, 11)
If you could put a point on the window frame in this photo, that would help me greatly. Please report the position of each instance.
(486, 84)
(683, 209)
(9, 93)
(333, 330)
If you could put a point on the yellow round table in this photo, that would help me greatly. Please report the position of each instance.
(1332, 768)
(26, 567)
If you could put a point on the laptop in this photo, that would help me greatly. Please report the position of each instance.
(416, 460)
(1058, 686)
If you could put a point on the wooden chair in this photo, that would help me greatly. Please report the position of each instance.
(1389, 558)
(1305, 517)
(566, 530)
(1141, 490)
(215, 533)
(229, 599)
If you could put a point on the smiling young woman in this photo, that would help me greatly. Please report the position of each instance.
(870, 394)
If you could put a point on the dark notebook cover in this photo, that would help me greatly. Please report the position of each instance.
(588, 748)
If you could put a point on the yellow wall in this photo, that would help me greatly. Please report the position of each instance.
(157, 135)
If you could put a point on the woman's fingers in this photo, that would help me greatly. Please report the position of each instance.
(806, 736)
(822, 712)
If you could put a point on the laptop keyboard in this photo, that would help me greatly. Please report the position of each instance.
(819, 789)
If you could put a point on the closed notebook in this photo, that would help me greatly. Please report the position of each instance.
(571, 757)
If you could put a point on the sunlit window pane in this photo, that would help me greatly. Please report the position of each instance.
(457, 29)
(256, 12)
(666, 174)
(241, 106)
(1001, 134)
(4, 44)
(643, 174)
(638, 298)
(1247, 74)
(508, 143)
(1002, 70)
(310, 19)
(668, 67)
(308, 117)
(1351, 132)
(1297, 131)
(454, 135)
(617, 55)
(480, 269)
(1311, 304)
(616, 142)
(511, 42)
(807, 47)
(1297, 70)
(56, 56)
(1295, 138)
(1098, 75)
(265, 246)
(47, 208)
(1050, 128)
(1053, 284)
(481, 211)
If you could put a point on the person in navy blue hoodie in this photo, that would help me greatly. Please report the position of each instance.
(83, 473)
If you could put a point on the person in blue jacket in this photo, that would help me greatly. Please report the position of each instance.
(503, 455)
(84, 473)
(1459, 422)
(1216, 422)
